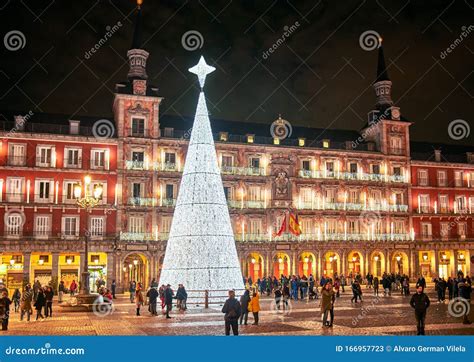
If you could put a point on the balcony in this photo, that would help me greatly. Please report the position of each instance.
(243, 171)
(138, 133)
(153, 166)
(151, 202)
(16, 161)
(248, 237)
(236, 204)
(129, 236)
(348, 176)
(341, 206)
(73, 162)
(14, 197)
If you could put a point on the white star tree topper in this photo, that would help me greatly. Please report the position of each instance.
(202, 69)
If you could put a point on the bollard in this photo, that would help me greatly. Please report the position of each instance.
(206, 299)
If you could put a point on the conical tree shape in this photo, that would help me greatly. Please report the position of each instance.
(201, 252)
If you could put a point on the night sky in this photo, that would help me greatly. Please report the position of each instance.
(319, 76)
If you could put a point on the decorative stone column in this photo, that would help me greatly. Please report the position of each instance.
(26, 266)
(55, 269)
(110, 268)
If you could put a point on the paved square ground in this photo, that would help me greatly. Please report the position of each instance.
(374, 316)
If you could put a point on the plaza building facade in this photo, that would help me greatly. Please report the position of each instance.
(366, 202)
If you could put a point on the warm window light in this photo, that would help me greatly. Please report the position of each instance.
(223, 136)
(425, 257)
(250, 138)
(69, 261)
(40, 261)
(12, 261)
(325, 143)
(301, 142)
(276, 141)
(77, 191)
(98, 192)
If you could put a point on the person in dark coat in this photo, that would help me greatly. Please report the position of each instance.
(244, 304)
(4, 309)
(16, 299)
(48, 308)
(113, 287)
(168, 300)
(153, 300)
(450, 288)
(181, 296)
(420, 303)
(232, 311)
(441, 289)
(465, 290)
(421, 282)
(39, 304)
(376, 286)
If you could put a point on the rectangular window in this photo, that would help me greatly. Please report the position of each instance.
(396, 145)
(170, 158)
(68, 191)
(376, 169)
(42, 226)
(443, 203)
(426, 230)
(354, 196)
(353, 167)
(462, 229)
(228, 192)
(136, 225)
(306, 165)
(70, 226)
(397, 171)
(306, 195)
(306, 226)
(442, 178)
(166, 224)
(44, 190)
(330, 195)
(97, 159)
(72, 157)
(16, 154)
(14, 226)
(96, 226)
(138, 127)
(14, 189)
(44, 156)
(444, 230)
(331, 226)
(255, 226)
(169, 191)
(399, 226)
(458, 178)
(137, 190)
(423, 177)
(254, 162)
(330, 167)
(425, 203)
(353, 227)
(227, 161)
(460, 202)
(255, 193)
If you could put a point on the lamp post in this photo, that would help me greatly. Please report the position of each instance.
(86, 199)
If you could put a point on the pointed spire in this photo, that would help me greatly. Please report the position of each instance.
(137, 28)
(382, 73)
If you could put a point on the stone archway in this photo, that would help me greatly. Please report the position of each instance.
(135, 267)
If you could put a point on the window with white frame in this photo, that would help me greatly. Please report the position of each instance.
(256, 193)
(353, 227)
(17, 154)
(462, 229)
(352, 167)
(306, 195)
(227, 162)
(354, 196)
(306, 165)
(329, 168)
(471, 204)
(460, 202)
(170, 160)
(14, 224)
(44, 190)
(229, 193)
(166, 224)
(138, 127)
(375, 196)
(458, 178)
(443, 203)
(396, 145)
(399, 226)
(424, 203)
(442, 178)
(14, 189)
(254, 164)
(42, 226)
(96, 184)
(45, 156)
(398, 198)
(444, 229)
(98, 159)
(426, 230)
(306, 226)
(136, 224)
(70, 226)
(331, 226)
(375, 168)
(255, 226)
(330, 194)
(96, 227)
(72, 157)
(68, 191)
(423, 177)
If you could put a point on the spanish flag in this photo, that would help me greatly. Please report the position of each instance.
(282, 228)
(294, 226)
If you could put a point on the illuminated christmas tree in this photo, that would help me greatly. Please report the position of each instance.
(201, 252)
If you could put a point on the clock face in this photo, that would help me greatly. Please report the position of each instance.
(395, 113)
(139, 86)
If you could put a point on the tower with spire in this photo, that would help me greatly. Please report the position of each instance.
(386, 127)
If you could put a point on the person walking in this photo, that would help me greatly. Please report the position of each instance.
(25, 303)
(244, 304)
(4, 309)
(356, 291)
(113, 288)
(138, 299)
(254, 307)
(153, 300)
(420, 303)
(232, 310)
(48, 307)
(73, 288)
(278, 295)
(61, 291)
(465, 290)
(16, 299)
(181, 296)
(168, 300)
(376, 286)
(132, 288)
(328, 297)
(39, 304)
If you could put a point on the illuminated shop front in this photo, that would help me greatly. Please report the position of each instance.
(11, 271)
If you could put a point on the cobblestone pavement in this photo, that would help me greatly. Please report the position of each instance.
(374, 316)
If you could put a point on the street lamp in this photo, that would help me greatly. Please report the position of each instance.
(87, 199)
